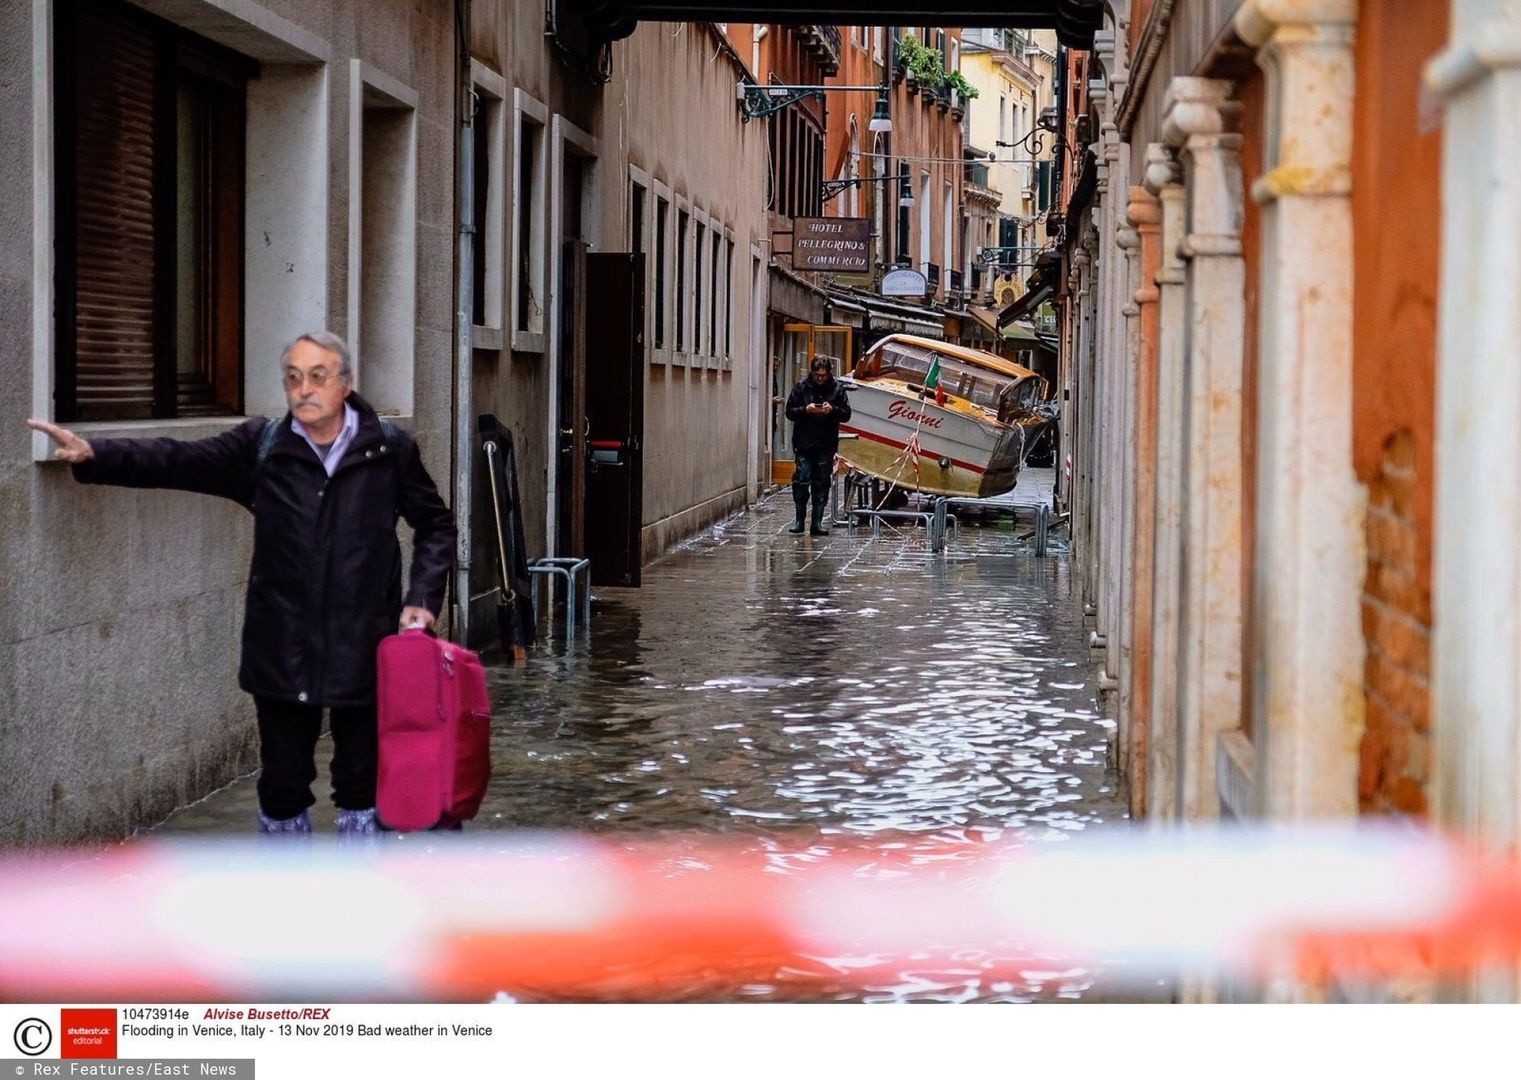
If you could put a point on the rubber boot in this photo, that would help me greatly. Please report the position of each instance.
(818, 520)
(300, 825)
(800, 500)
(355, 826)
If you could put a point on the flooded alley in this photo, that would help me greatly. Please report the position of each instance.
(793, 692)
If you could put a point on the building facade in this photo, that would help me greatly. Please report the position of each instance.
(1278, 294)
(520, 235)
(206, 182)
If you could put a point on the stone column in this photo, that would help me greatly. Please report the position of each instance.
(1164, 179)
(1103, 398)
(1199, 118)
(1088, 398)
(1075, 423)
(1307, 695)
(1476, 639)
(1126, 362)
(1116, 292)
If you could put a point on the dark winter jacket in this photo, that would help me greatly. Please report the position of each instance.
(325, 583)
(813, 432)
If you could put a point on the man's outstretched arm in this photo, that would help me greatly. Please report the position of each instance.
(221, 465)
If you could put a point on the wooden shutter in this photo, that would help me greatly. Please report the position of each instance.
(115, 253)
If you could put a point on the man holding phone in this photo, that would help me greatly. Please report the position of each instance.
(817, 406)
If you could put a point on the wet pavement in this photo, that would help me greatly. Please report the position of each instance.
(796, 693)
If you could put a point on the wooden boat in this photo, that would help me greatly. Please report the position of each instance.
(963, 434)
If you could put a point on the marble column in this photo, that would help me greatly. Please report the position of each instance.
(1308, 654)
(1164, 179)
(1199, 120)
(1476, 641)
(1126, 363)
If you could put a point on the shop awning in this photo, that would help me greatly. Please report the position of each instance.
(1022, 307)
(886, 317)
(1039, 288)
(796, 299)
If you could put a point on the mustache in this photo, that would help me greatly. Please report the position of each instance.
(307, 401)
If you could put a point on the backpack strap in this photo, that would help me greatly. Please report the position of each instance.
(267, 436)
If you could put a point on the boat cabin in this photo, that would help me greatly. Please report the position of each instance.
(988, 382)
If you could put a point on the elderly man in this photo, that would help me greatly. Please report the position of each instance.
(326, 484)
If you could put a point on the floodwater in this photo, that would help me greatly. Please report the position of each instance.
(791, 693)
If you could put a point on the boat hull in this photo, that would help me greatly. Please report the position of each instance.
(958, 454)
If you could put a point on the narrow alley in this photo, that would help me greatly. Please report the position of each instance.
(776, 686)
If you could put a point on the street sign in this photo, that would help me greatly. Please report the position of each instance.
(903, 282)
(842, 245)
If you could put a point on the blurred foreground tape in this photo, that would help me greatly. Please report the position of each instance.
(462, 918)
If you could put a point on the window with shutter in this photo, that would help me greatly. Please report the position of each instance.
(150, 217)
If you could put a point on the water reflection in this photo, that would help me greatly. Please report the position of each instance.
(800, 693)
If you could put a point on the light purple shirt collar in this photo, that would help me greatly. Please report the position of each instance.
(340, 444)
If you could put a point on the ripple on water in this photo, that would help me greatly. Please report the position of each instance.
(752, 691)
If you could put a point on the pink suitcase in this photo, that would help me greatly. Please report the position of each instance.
(435, 732)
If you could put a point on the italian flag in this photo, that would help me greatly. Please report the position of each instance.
(932, 381)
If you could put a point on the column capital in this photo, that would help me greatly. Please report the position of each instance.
(1492, 47)
(1194, 106)
(1258, 21)
(1162, 168)
(1144, 211)
(1306, 49)
(1129, 240)
(1174, 199)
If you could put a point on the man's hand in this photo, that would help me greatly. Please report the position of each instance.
(416, 616)
(826, 408)
(70, 447)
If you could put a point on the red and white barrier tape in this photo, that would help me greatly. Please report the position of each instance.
(458, 918)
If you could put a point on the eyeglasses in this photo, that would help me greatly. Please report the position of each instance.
(317, 377)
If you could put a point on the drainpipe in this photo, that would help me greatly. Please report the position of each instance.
(755, 40)
(464, 406)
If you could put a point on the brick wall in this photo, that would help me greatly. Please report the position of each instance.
(1397, 625)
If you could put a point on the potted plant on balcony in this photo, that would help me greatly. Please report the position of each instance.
(960, 92)
(924, 67)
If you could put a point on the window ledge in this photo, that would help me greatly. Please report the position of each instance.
(486, 337)
(195, 427)
(523, 341)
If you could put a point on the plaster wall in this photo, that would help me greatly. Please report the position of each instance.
(1396, 178)
(697, 421)
(121, 611)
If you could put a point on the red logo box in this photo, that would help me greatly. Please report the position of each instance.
(87, 1033)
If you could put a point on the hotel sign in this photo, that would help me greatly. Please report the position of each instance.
(841, 245)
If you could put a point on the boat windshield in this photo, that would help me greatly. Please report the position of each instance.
(911, 364)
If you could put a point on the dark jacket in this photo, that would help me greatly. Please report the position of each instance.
(325, 583)
(813, 432)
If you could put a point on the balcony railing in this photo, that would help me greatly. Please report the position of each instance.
(831, 34)
(824, 43)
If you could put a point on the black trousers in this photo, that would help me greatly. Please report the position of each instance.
(287, 741)
(815, 468)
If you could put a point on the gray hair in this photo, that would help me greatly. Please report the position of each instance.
(323, 339)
